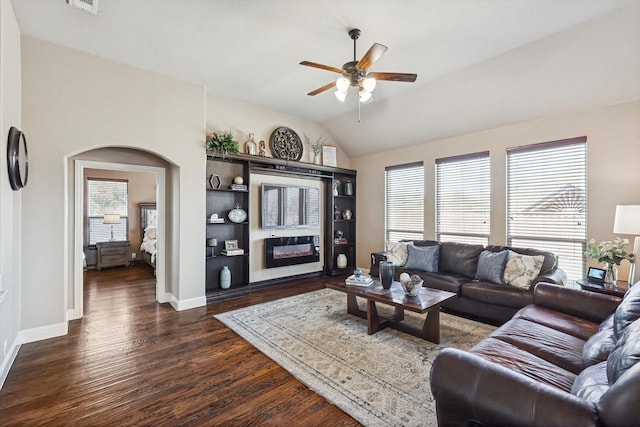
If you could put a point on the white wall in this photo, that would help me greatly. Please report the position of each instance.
(613, 171)
(75, 102)
(10, 201)
(257, 270)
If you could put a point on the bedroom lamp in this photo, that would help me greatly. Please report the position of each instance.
(111, 219)
(628, 222)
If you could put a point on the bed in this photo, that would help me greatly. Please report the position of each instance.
(148, 225)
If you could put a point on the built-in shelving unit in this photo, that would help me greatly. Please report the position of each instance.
(221, 200)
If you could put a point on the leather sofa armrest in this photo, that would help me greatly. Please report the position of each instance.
(557, 276)
(576, 302)
(472, 391)
(376, 257)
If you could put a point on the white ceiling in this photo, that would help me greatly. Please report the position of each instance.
(480, 64)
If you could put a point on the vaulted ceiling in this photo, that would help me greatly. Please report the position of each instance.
(480, 64)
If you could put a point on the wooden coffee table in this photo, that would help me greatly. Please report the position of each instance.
(428, 301)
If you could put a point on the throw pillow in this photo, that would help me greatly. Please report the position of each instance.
(522, 270)
(396, 252)
(491, 266)
(423, 258)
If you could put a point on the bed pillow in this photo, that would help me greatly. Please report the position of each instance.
(396, 252)
(423, 258)
(521, 270)
(150, 232)
(491, 266)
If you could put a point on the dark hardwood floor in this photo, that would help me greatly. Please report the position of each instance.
(131, 361)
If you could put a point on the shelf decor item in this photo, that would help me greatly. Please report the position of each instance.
(347, 214)
(348, 188)
(214, 181)
(225, 277)
(341, 261)
(223, 144)
(285, 144)
(250, 146)
(212, 243)
(237, 215)
(316, 147)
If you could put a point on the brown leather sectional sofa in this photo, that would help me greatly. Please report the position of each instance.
(478, 299)
(569, 359)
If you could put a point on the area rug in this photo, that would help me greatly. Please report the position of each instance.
(380, 379)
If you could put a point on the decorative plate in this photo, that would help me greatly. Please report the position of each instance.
(285, 144)
(237, 215)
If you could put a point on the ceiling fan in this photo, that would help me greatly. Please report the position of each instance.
(354, 73)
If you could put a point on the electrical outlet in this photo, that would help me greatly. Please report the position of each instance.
(4, 347)
(133, 255)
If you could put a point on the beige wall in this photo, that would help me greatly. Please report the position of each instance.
(75, 102)
(241, 119)
(11, 254)
(613, 168)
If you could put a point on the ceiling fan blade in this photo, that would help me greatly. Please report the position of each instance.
(394, 77)
(373, 54)
(322, 89)
(321, 66)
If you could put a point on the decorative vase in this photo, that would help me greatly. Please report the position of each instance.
(611, 275)
(387, 271)
(316, 158)
(341, 261)
(225, 277)
(251, 146)
(348, 188)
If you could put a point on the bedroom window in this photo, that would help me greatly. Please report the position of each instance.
(547, 200)
(463, 199)
(404, 202)
(107, 197)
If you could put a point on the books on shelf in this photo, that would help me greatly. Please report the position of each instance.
(239, 187)
(340, 241)
(361, 280)
(232, 252)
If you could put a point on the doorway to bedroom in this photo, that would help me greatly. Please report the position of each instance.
(119, 222)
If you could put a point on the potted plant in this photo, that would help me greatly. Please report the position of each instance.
(316, 147)
(223, 144)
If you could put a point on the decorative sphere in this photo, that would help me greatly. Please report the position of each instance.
(238, 180)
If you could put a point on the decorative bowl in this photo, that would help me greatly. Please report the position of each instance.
(411, 288)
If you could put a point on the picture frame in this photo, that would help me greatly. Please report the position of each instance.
(596, 275)
(230, 244)
(329, 155)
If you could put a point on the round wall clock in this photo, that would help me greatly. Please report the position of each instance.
(17, 159)
(285, 144)
(237, 215)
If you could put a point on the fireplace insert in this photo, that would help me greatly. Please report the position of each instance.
(283, 251)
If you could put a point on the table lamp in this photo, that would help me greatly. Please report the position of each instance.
(212, 243)
(628, 222)
(111, 219)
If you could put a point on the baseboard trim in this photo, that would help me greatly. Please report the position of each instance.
(187, 304)
(7, 362)
(42, 333)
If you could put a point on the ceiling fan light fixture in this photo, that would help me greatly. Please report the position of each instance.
(369, 84)
(365, 95)
(341, 95)
(342, 84)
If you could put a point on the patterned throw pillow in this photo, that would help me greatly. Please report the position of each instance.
(491, 266)
(521, 270)
(396, 252)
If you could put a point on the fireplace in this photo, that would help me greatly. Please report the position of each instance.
(282, 251)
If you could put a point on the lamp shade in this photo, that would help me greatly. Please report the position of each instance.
(111, 219)
(627, 220)
(212, 242)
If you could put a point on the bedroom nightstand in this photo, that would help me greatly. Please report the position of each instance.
(111, 254)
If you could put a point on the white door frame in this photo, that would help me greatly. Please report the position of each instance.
(80, 165)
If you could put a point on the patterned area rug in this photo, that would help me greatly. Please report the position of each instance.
(380, 380)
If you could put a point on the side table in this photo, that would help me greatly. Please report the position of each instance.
(619, 290)
(111, 254)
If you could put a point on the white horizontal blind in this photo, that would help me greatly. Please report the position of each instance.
(404, 202)
(463, 198)
(547, 200)
(107, 197)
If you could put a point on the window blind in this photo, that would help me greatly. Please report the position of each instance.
(404, 202)
(107, 197)
(547, 200)
(463, 198)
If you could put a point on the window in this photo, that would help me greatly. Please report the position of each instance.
(546, 200)
(404, 202)
(107, 197)
(463, 198)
